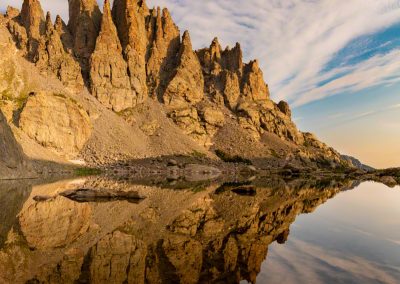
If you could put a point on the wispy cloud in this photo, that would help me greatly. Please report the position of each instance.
(295, 40)
(375, 112)
(378, 70)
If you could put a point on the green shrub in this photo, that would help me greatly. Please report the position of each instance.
(87, 171)
(232, 159)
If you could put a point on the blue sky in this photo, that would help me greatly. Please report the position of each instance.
(336, 62)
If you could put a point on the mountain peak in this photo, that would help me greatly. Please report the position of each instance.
(129, 59)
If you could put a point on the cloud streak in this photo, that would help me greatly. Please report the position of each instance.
(294, 40)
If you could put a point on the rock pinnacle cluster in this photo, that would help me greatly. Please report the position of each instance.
(129, 57)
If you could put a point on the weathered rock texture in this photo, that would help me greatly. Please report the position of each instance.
(56, 122)
(129, 17)
(186, 85)
(11, 157)
(84, 25)
(131, 55)
(108, 70)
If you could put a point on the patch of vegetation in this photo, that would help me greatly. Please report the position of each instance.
(125, 113)
(87, 172)
(232, 159)
(60, 95)
(198, 154)
(274, 153)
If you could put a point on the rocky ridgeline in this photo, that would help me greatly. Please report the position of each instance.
(130, 54)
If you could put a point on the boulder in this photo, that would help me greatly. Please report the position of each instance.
(56, 122)
(284, 108)
(388, 180)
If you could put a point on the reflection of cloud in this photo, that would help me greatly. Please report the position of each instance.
(301, 262)
(397, 242)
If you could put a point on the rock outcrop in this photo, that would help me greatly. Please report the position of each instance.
(109, 79)
(56, 122)
(11, 158)
(52, 56)
(32, 18)
(84, 25)
(186, 85)
(130, 58)
(130, 18)
(164, 44)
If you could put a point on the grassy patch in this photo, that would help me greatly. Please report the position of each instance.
(87, 172)
(274, 153)
(60, 95)
(198, 154)
(232, 159)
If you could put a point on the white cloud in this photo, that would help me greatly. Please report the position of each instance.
(293, 39)
(380, 69)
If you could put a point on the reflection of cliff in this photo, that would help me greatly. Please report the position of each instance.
(12, 197)
(219, 235)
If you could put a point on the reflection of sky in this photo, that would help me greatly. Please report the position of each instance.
(353, 238)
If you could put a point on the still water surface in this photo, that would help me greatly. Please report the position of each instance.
(263, 231)
(353, 238)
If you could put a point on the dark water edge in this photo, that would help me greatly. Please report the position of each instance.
(268, 230)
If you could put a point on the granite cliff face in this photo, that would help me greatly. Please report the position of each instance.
(11, 158)
(130, 58)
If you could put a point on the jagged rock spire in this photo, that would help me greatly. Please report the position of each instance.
(84, 24)
(233, 59)
(164, 37)
(215, 50)
(254, 86)
(66, 37)
(186, 87)
(33, 18)
(129, 17)
(109, 80)
(51, 56)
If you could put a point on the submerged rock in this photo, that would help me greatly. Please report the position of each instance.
(91, 195)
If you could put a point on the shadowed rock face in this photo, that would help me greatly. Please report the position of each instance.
(130, 18)
(11, 157)
(215, 235)
(130, 54)
(109, 79)
(84, 25)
